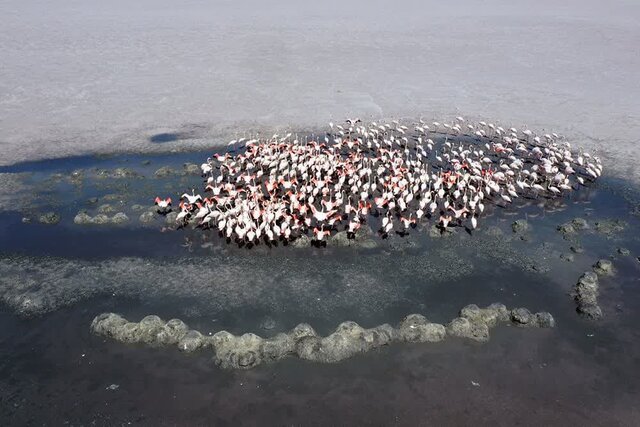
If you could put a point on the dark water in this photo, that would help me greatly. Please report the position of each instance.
(53, 371)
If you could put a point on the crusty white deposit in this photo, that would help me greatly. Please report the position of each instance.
(85, 76)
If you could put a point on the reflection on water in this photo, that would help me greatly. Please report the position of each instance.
(57, 278)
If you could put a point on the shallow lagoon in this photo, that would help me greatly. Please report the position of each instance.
(56, 278)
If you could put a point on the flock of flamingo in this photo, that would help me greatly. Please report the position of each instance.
(279, 188)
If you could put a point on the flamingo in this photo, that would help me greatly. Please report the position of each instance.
(191, 198)
(272, 189)
(320, 233)
(164, 205)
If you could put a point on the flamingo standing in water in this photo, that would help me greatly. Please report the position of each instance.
(164, 205)
(280, 188)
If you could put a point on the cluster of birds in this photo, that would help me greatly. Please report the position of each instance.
(280, 188)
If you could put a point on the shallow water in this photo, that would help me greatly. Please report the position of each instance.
(54, 279)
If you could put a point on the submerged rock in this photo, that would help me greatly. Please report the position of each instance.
(545, 320)
(567, 257)
(343, 239)
(106, 209)
(591, 311)
(587, 286)
(349, 339)
(566, 229)
(278, 347)
(573, 227)
(148, 329)
(416, 328)
(124, 173)
(191, 341)
(576, 249)
(120, 218)
(579, 224)
(522, 316)
(340, 239)
(301, 242)
(232, 352)
(490, 316)
(76, 175)
(363, 238)
(164, 172)
(474, 322)
(191, 169)
(436, 231)
(108, 324)
(116, 173)
(520, 226)
(114, 197)
(364, 232)
(610, 226)
(464, 328)
(147, 218)
(102, 173)
(170, 218)
(603, 267)
(624, 251)
(586, 296)
(82, 218)
(100, 219)
(49, 218)
(173, 332)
